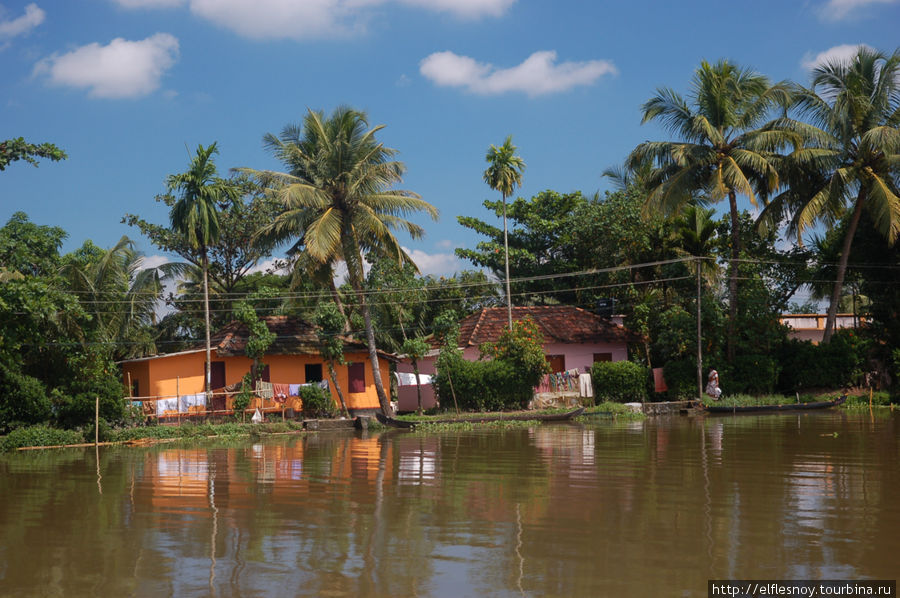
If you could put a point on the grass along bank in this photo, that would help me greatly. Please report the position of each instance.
(44, 436)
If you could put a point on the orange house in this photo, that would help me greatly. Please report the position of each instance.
(293, 358)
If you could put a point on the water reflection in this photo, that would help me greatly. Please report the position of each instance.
(653, 507)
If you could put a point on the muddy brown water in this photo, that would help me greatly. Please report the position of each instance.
(651, 508)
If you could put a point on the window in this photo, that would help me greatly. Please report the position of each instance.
(356, 374)
(216, 374)
(602, 357)
(135, 388)
(557, 362)
(312, 372)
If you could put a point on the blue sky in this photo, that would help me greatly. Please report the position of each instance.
(129, 88)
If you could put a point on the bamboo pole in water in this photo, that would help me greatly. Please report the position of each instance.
(96, 421)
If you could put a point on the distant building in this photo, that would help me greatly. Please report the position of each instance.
(811, 327)
(292, 359)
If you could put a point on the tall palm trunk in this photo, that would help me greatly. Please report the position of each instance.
(506, 263)
(354, 269)
(842, 266)
(733, 275)
(337, 387)
(207, 377)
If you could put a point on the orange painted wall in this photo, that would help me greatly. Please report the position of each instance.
(181, 374)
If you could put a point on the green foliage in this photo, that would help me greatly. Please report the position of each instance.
(491, 385)
(330, 324)
(505, 381)
(317, 402)
(12, 150)
(753, 373)
(40, 435)
(620, 381)
(97, 376)
(242, 399)
(681, 378)
(260, 338)
(521, 348)
(837, 364)
(23, 399)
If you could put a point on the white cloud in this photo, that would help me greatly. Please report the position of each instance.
(149, 3)
(153, 261)
(33, 17)
(121, 69)
(537, 75)
(441, 264)
(467, 9)
(277, 18)
(837, 10)
(309, 19)
(841, 53)
(445, 244)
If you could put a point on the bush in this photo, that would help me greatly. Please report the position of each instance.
(492, 385)
(681, 378)
(41, 435)
(23, 400)
(619, 381)
(317, 402)
(749, 373)
(836, 364)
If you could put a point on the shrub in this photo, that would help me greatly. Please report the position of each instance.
(836, 364)
(317, 402)
(681, 378)
(753, 374)
(23, 400)
(41, 435)
(619, 381)
(491, 385)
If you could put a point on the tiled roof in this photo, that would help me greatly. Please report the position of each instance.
(557, 323)
(293, 336)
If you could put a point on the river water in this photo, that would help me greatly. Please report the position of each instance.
(650, 508)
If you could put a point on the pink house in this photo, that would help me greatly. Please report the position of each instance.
(573, 338)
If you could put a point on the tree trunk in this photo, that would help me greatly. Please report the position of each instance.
(415, 365)
(353, 260)
(337, 387)
(506, 263)
(842, 266)
(733, 275)
(207, 377)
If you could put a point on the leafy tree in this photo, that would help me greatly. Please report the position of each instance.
(195, 215)
(330, 324)
(399, 307)
(337, 200)
(504, 174)
(12, 150)
(119, 293)
(537, 244)
(721, 149)
(848, 164)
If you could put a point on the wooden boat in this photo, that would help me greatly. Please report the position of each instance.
(773, 408)
(509, 417)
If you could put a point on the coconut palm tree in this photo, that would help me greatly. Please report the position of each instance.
(120, 293)
(337, 197)
(504, 174)
(196, 216)
(851, 155)
(721, 150)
